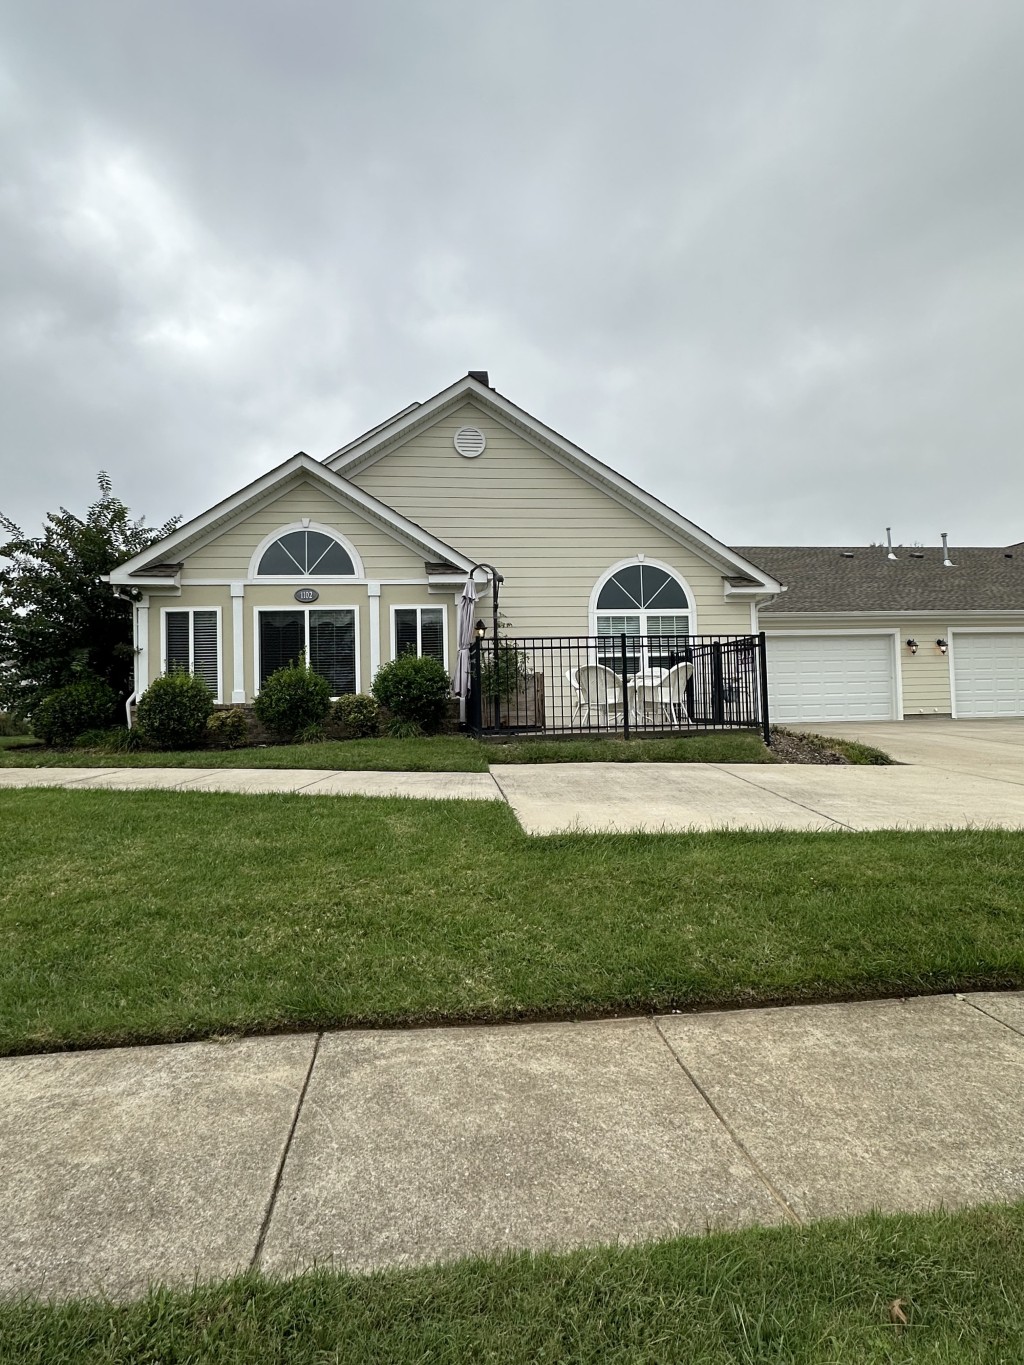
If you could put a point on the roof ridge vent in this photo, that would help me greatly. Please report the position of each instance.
(947, 563)
(888, 538)
(846, 554)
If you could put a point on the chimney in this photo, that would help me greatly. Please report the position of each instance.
(947, 563)
(888, 537)
(481, 377)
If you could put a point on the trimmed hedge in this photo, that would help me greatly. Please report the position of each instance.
(174, 710)
(415, 691)
(292, 700)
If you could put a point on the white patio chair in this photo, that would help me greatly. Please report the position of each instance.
(648, 703)
(600, 692)
(673, 691)
(572, 678)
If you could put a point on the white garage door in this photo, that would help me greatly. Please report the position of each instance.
(988, 674)
(831, 677)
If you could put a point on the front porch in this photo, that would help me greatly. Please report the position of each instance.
(621, 685)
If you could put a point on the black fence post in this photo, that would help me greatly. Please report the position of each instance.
(496, 686)
(762, 673)
(625, 695)
(717, 684)
(475, 716)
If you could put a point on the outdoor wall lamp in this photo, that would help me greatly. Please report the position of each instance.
(942, 646)
(912, 646)
(480, 630)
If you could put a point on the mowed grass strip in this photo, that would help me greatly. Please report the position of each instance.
(817, 1294)
(434, 753)
(148, 916)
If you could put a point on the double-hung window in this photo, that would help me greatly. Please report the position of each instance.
(192, 644)
(420, 631)
(328, 640)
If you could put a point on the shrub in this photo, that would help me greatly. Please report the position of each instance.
(228, 729)
(358, 715)
(292, 699)
(174, 710)
(415, 691)
(71, 710)
(505, 675)
(11, 724)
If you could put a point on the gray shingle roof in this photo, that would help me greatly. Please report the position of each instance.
(862, 578)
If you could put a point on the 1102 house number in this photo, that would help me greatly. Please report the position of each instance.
(306, 594)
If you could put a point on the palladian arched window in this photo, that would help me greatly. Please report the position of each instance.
(305, 554)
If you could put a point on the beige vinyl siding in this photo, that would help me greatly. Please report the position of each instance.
(925, 675)
(548, 531)
(228, 554)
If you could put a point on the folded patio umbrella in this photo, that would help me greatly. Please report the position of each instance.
(467, 604)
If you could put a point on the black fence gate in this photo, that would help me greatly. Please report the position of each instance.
(617, 684)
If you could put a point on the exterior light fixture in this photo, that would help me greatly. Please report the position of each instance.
(941, 646)
(912, 646)
(480, 630)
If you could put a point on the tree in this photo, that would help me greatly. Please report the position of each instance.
(59, 621)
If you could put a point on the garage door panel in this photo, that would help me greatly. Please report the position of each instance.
(831, 677)
(988, 673)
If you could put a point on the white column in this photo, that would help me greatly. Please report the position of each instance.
(237, 644)
(142, 658)
(373, 595)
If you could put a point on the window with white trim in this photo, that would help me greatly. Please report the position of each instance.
(645, 600)
(305, 554)
(192, 644)
(419, 631)
(326, 637)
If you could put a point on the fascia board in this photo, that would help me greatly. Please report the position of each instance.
(601, 475)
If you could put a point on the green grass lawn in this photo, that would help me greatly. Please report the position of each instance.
(819, 1295)
(158, 915)
(436, 753)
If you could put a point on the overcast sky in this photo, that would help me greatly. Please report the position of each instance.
(765, 257)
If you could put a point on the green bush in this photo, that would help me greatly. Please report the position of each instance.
(358, 715)
(415, 691)
(292, 699)
(505, 675)
(174, 710)
(71, 710)
(228, 729)
(11, 724)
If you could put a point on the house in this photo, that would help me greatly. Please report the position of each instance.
(362, 556)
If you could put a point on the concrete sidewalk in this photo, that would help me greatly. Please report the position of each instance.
(307, 781)
(369, 1149)
(596, 797)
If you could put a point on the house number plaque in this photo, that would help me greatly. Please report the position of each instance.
(306, 594)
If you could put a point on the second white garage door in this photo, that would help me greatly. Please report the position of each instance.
(988, 673)
(831, 677)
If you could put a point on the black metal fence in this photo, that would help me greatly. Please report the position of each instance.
(623, 685)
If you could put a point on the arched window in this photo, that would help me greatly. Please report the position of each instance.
(302, 554)
(644, 600)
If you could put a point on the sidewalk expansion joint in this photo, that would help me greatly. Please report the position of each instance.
(841, 824)
(748, 1156)
(257, 1254)
(994, 1017)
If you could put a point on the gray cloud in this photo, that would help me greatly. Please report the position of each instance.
(763, 259)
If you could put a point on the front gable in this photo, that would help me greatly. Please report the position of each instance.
(221, 544)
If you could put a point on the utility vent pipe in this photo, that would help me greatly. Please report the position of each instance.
(888, 537)
(947, 563)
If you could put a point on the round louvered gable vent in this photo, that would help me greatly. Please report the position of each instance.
(470, 441)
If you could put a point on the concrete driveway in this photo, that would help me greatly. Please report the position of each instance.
(983, 748)
(952, 775)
